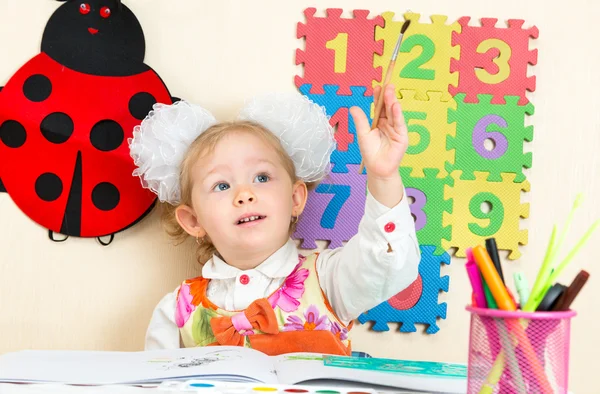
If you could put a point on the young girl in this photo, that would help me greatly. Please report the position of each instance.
(239, 189)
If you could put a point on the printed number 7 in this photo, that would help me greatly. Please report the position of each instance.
(341, 193)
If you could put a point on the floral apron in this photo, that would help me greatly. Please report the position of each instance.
(296, 317)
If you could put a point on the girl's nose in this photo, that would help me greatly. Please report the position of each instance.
(245, 196)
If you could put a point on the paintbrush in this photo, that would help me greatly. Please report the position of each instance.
(388, 77)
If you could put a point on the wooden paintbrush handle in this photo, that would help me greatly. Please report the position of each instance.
(379, 106)
(386, 81)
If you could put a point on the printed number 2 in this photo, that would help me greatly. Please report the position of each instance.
(339, 45)
(341, 193)
(413, 69)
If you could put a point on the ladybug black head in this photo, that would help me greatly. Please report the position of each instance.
(99, 37)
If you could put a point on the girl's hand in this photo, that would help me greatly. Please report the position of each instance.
(382, 148)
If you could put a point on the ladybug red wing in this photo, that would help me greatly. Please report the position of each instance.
(64, 158)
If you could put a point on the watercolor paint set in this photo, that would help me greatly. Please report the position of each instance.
(212, 387)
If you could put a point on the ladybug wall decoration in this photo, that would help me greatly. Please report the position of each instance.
(66, 115)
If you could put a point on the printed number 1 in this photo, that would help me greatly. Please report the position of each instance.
(341, 193)
(339, 45)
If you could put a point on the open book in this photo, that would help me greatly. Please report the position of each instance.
(226, 364)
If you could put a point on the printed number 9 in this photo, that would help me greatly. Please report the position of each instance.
(480, 134)
(416, 208)
(495, 215)
(501, 61)
(424, 135)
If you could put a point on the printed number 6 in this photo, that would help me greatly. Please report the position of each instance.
(501, 61)
(480, 134)
(341, 193)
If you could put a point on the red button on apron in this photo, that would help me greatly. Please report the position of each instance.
(389, 227)
(244, 279)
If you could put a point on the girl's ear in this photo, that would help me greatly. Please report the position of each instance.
(187, 219)
(299, 196)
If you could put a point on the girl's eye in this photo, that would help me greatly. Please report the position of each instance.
(262, 178)
(84, 9)
(221, 187)
(105, 12)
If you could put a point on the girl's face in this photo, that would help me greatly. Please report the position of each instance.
(242, 198)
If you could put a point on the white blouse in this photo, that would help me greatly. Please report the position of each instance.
(356, 277)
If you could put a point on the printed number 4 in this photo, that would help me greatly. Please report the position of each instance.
(341, 193)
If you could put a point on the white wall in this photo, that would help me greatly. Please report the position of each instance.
(79, 295)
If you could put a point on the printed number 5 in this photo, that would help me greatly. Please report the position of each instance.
(424, 135)
(341, 193)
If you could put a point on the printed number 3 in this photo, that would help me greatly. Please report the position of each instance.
(501, 61)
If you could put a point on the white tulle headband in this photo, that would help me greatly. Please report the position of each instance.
(161, 141)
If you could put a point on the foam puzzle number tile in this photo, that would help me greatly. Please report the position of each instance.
(340, 121)
(471, 224)
(504, 124)
(428, 127)
(332, 103)
(423, 63)
(493, 60)
(338, 51)
(426, 310)
(428, 207)
(333, 211)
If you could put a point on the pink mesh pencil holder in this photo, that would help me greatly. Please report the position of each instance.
(518, 352)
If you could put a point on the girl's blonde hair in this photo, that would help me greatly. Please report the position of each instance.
(203, 145)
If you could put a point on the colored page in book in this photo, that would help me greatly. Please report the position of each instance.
(304, 368)
(407, 367)
(94, 368)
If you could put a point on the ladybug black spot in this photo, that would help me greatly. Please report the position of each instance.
(48, 186)
(105, 196)
(107, 135)
(12, 134)
(57, 127)
(141, 104)
(37, 88)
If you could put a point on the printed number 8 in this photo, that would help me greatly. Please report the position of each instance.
(495, 215)
(416, 208)
(501, 61)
